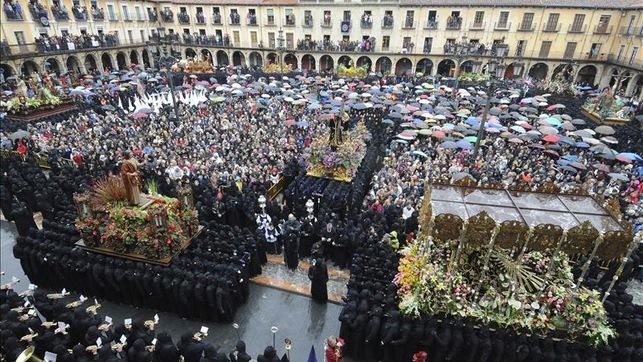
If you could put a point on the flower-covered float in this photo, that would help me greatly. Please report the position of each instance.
(153, 232)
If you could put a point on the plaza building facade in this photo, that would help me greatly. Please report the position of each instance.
(597, 42)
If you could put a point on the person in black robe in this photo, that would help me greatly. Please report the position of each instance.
(239, 354)
(291, 250)
(318, 275)
(22, 217)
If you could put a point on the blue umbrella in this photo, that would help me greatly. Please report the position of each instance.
(302, 124)
(388, 121)
(465, 145)
(570, 157)
(562, 162)
(582, 145)
(148, 150)
(449, 145)
(631, 155)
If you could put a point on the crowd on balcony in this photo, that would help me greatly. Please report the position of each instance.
(98, 13)
(454, 22)
(80, 12)
(152, 14)
(367, 20)
(327, 18)
(200, 18)
(308, 20)
(202, 39)
(13, 10)
(252, 18)
(60, 11)
(167, 15)
(290, 19)
(37, 10)
(387, 21)
(473, 48)
(55, 43)
(184, 18)
(216, 17)
(367, 45)
(235, 18)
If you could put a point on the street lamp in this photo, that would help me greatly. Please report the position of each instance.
(496, 70)
(168, 61)
(280, 48)
(460, 51)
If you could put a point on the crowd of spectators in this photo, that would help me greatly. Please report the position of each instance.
(364, 45)
(12, 9)
(55, 43)
(80, 12)
(60, 11)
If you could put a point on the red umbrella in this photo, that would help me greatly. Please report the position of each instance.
(601, 167)
(139, 115)
(438, 134)
(551, 138)
(290, 122)
(552, 153)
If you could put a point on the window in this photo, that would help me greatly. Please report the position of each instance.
(308, 18)
(253, 38)
(635, 51)
(570, 50)
(595, 50)
(603, 24)
(552, 22)
(527, 21)
(130, 36)
(142, 35)
(621, 53)
(502, 19)
(544, 49)
(236, 38)
(520, 48)
(326, 20)
(139, 15)
(271, 40)
(428, 44)
(630, 25)
(290, 40)
(347, 15)
(20, 37)
(125, 13)
(478, 19)
(110, 11)
(577, 25)
(290, 17)
(271, 16)
(386, 41)
(433, 15)
(408, 21)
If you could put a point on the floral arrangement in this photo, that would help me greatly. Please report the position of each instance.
(277, 68)
(131, 230)
(351, 72)
(341, 161)
(18, 104)
(473, 77)
(427, 286)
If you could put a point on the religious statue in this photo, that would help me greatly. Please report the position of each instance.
(337, 128)
(131, 180)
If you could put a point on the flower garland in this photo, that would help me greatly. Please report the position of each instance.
(427, 287)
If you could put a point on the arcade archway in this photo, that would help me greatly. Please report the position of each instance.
(222, 58)
(424, 66)
(345, 60)
(29, 67)
(52, 65)
(308, 62)
(538, 71)
(291, 60)
(189, 53)
(133, 57)
(73, 65)
(383, 65)
(238, 59)
(107, 61)
(90, 63)
(121, 60)
(403, 66)
(255, 59)
(587, 75)
(146, 59)
(365, 62)
(446, 68)
(326, 62)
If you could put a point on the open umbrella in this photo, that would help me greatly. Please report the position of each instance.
(552, 138)
(462, 175)
(601, 167)
(419, 153)
(465, 145)
(618, 176)
(631, 155)
(448, 145)
(19, 134)
(578, 165)
(606, 130)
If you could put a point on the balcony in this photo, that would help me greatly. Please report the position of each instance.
(251, 20)
(326, 23)
(408, 23)
(235, 19)
(13, 14)
(98, 14)
(40, 47)
(551, 27)
(216, 19)
(502, 26)
(579, 29)
(200, 18)
(152, 15)
(603, 29)
(167, 17)
(184, 18)
(454, 23)
(426, 49)
(526, 27)
(366, 24)
(59, 14)
(387, 22)
(590, 56)
(289, 21)
(80, 14)
(431, 24)
(478, 26)
(127, 17)
(38, 11)
(308, 22)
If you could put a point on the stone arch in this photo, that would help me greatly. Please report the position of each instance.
(146, 58)
(255, 59)
(207, 54)
(446, 68)
(133, 57)
(189, 53)
(222, 58)
(238, 59)
(383, 65)
(121, 60)
(510, 72)
(272, 58)
(326, 62)
(308, 62)
(53, 65)
(90, 63)
(587, 74)
(74, 64)
(106, 59)
(466, 67)
(538, 71)
(29, 67)
(424, 66)
(291, 60)
(613, 76)
(346, 60)
(403, 66)
(7, 70)
(366, 62)
(636, 86)
(565, 70)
